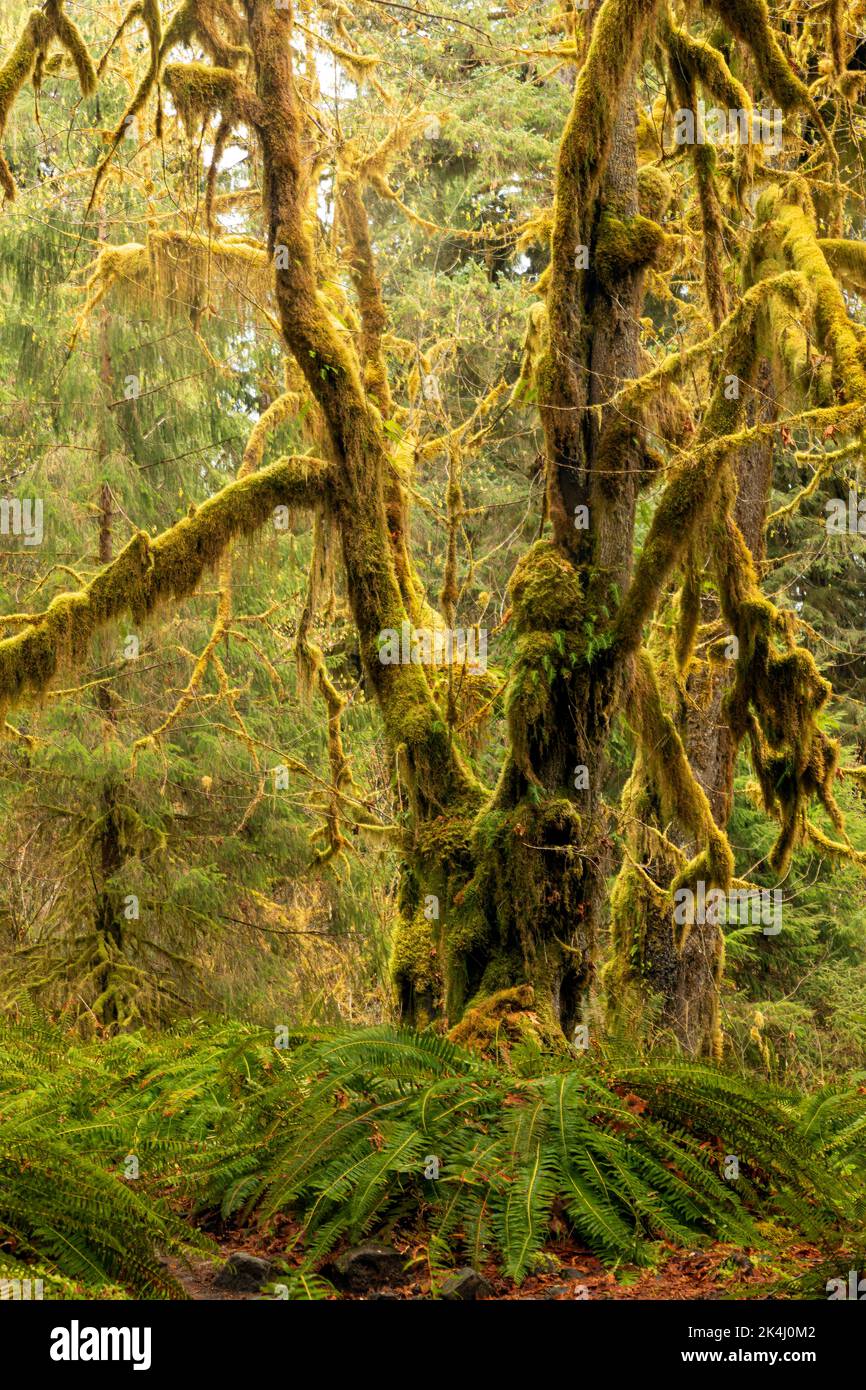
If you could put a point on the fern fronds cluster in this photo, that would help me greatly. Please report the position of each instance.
(352, 1132)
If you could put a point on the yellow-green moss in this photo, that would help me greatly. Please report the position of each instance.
(13, 75)
(200, 90)
(655, 191)
(625, 244)
(503, 1020)
(416, 967)
(545, 591)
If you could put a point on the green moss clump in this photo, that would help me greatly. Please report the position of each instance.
(626, 244)
(545, 591)
(504, 1020)
(655, 191)
(444, 843)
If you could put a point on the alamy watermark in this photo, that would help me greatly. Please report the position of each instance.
(846, 515)
(77, 1343)
(21, 1289)
(22, 517)
(853, 1288)
(758, 906)
(426, 646)
(718, 125)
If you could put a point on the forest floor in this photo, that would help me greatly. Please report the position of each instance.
(567, 1271)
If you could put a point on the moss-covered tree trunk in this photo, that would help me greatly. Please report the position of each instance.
(541, 846)
(109, 920)
(508, 891)
(521, 900)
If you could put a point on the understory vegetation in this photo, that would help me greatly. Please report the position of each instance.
(337, 1129)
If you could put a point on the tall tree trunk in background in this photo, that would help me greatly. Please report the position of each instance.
(108, 921)
(706, 734)
(708, 739)
(684, 976)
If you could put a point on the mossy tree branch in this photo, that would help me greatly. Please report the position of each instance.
(149, 572)
(437, 774)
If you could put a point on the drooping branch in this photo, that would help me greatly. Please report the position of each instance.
(182, 270)
(193, 20)
(149, 12)
(777, 694)
(749, 21)
(695, 61)
(690, 494)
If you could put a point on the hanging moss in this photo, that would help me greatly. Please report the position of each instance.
(691, 493)
(69, 35)
(837, 334)
(200, 90)
(700, 60)
(659, 972)
(217, 27)
(149, 10)
(749, 21)
(681, 797)
(179, 273)
(775, 701)
(28, 59)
